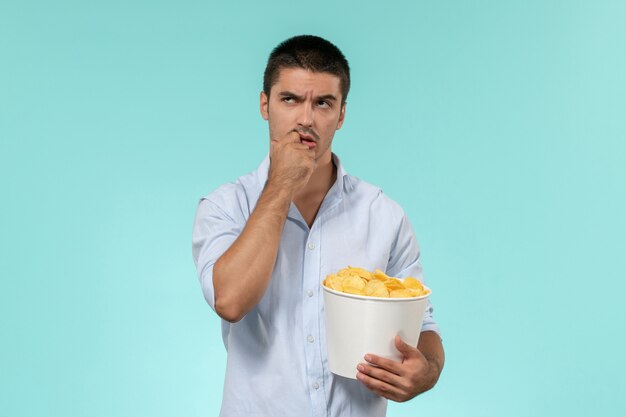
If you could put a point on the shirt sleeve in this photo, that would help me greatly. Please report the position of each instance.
(404, 261)
(213, 233)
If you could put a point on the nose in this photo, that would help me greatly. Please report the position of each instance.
(306, 115)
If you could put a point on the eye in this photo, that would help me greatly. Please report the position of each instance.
(288, 100)
(324, 104)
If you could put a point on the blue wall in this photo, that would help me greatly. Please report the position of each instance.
(498, 126)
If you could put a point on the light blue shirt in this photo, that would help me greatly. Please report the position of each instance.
(276, 361)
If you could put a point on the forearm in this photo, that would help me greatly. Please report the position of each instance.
(242, 274)
(431, 347)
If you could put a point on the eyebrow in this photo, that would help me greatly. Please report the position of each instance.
(323, 97)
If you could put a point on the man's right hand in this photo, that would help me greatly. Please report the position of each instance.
(252, 256)
(291, 162)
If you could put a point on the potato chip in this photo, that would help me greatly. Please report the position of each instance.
(376, 288)
(394, 284)
(378, 274)
(363, 273)
(344, 272)
(413, 283)
(400, 294)
(334, 282)
(415, 293)
(353, 284)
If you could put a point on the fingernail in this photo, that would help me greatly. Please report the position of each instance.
(368, 358)
(360, 367)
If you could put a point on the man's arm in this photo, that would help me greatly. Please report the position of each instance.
(242, 274)
(431, 347)
(400, 381)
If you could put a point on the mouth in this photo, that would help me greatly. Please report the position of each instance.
(308, 139)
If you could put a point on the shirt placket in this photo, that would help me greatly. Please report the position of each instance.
(311, 321)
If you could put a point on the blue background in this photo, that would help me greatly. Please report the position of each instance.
(498, 126)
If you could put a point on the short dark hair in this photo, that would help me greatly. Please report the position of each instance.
(311, 53)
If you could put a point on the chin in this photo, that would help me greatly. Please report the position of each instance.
(326, 152)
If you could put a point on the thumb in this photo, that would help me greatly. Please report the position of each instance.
(404, 348)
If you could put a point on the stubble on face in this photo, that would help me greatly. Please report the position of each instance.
(306, 131)
(308, 103)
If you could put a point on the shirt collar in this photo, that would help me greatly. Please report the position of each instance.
(263, 170)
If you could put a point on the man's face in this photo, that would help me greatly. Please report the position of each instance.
(307, 102)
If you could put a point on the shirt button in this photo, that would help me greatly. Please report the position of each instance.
(309, 293)
(316, 385)
(310, 338)
(311, 246)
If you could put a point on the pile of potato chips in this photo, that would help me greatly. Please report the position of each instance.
(359, 281)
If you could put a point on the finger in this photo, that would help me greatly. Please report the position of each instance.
(303, 148)
(388, 364)
(383, 375)
(291, 137)
(379, 387)
(300, 146)
(404, 348)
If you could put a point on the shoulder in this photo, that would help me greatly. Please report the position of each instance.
(235, 199)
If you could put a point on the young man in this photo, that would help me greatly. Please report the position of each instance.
(263, 244)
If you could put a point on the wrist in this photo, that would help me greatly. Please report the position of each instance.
(280, 188)
(277, 195)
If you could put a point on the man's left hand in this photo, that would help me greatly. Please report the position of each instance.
(399, 381)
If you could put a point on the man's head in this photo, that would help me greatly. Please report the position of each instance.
(305, 87)
(311, 53)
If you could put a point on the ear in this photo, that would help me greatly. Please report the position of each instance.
(342, 115)
(264, 105)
